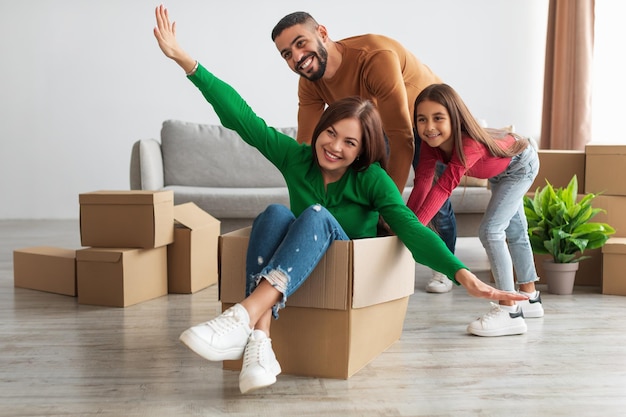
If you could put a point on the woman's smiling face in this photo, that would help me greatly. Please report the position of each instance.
(337, 147)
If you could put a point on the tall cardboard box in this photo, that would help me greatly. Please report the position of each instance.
(605, 169)
(558, 167)
(347, 312)
(614, 260)
(127, 219)
(120, 277)
(192, 258)
(45, 268)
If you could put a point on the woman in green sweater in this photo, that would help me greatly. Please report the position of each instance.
(337, 188)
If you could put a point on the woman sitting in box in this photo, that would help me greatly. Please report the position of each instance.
(337, 188)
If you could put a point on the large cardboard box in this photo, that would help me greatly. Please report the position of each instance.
(346, 313)
(605, 169)
(127, 219)
(120, 277)
(558, 167)
(614, 260)
(192, 258)
(45, 268)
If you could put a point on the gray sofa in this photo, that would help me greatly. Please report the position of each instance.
(212, 167)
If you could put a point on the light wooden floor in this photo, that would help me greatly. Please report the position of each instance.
(59, 358)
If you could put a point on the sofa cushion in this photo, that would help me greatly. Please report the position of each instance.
(231, 203)
(203, 155)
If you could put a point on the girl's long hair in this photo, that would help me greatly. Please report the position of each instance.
(462, 121)
(373, 140)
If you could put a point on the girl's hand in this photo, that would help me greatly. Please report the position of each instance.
(165, 34)
(477, 288)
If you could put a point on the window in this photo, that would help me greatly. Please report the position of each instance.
(609, 81)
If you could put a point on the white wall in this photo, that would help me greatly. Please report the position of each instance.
(80, 81)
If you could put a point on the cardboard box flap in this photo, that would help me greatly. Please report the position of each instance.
(330, 284)
(615, 245)
(192, 216)
(111, 255)
(126, 197)
(49, 251)
(602, 149)
(379, 282)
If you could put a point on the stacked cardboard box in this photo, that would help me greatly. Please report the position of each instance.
(605, 174)
(45, 268)
(126, 233)
(347, 312)
(137, 246)
(192, 258)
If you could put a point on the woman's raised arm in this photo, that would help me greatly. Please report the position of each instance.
(165, 33)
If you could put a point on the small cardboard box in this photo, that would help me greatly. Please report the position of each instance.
(615, 207)
(558, 167)
(120, 277)
(45, 268)
(346, 313)
(192, 258)
(614, 260)
(127, 219)
(605, 169)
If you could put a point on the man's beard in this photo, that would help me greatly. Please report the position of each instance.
(322, 58)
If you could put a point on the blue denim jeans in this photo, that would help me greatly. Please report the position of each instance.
(444, 222)
(284, 249)
(504, 229)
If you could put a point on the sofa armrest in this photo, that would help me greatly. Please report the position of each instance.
(146, 165)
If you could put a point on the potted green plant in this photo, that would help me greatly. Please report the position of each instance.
(559, 225)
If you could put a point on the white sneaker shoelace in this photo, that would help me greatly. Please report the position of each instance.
(225, 322)
(492, 314)
(256, 352)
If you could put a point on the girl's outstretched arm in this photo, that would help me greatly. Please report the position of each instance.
(165, 33)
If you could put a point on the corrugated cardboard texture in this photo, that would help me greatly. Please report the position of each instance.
(614, 265)
(128, 219)
(558, 167)
(328, 343)
(605, 169)
(384, 269)
(120, 277)
(193, 257)
(45, 268)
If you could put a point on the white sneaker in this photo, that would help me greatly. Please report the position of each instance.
(223, 338)
(260, 366)
(532, 308)
(498, 322)
(439, 283)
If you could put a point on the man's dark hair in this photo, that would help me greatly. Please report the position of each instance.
(292, 19)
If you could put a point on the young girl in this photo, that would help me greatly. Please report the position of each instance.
(451, 134)
(337, 188)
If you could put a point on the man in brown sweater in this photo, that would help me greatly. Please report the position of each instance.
(371, 66)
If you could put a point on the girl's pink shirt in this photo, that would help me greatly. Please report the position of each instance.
(427, 197)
